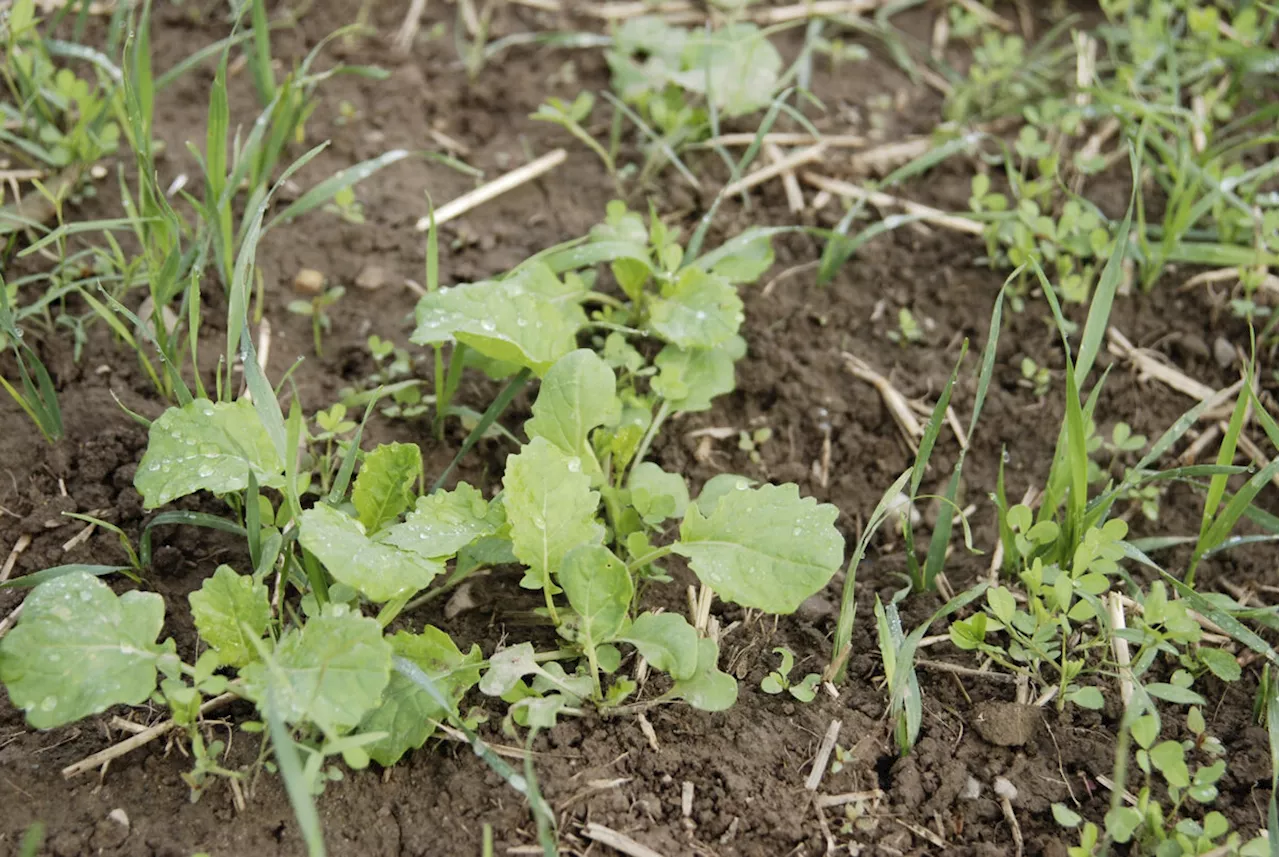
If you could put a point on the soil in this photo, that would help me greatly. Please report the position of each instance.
(747, 766)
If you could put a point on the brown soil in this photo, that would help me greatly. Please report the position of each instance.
(747, 766)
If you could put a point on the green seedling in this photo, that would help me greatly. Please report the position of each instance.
(779, 680)
(316, 309)
(908, 332)
(346, 206)
(570, 116)
(751, 442)
(1035, 377)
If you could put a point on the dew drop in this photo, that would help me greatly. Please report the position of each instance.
(49, 703)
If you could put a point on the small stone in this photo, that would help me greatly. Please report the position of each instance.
(308, 281)
(98, 172)
(1005, 789)
(1006, 724)
(972, 789)
(372, 277)
(1224, 353)
(120, 817)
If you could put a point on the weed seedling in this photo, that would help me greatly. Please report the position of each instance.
(316, 309)
(779, 680)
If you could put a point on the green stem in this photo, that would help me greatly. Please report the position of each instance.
(664, 411)
(514, 386)
(652, 556)
(440, 403)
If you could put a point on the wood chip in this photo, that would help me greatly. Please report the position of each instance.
(23, 542)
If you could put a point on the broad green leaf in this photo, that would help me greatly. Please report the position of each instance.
(599, 589)
(741, 259)
(707, 689)
(330, 673)
(764, 547)
(203, 446)
(374, 566)
(231, 613)
(522, 321)
(666, 640)
(1087, 697)
(717, 487)
(1121, 822)
(690, 378)
(385, 485)
(1065, 816)
(578, 394)
(506, 668)
(550, 506)
(735, 65)
(80, 649)
(656, 494)
(700, 310)
(443, 523)
(1169, 759)
(1173, 693)
(1221, 663)
(407, 711)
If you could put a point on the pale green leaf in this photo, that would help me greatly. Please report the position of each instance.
(507, 667)
(666, 640)
(384, 487)
(741, 259)
(690, 378)
(700, 310)
(599, 589)
(735, 65)
(203, 446)
(1169, 759)
(657, 494)
(578, 394)
(765, 547)
(550, 506)
(443, 523)
(330, 673)
(407, 711)
(522, 320)
(231, 612)
(79, 649)
(375, 567)
(708, 689)
(717, 487)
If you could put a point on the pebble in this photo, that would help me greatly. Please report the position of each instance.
(372, 277)
(308, 281)
(1224, 353)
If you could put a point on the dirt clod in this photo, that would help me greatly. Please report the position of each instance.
(1006, 724)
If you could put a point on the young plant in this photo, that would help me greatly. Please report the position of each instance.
(779, 680)
(316, 309)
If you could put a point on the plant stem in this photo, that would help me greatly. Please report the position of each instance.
(653, 555)
(664, 411)
(514, 386)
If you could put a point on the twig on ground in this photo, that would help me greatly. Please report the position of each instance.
(1120, 646)
(403, 41)
(132, 743)
(894, 400)
(777, 168)
(828, 801)
(795, 198)
(504, 183)
(10, 620)
(1149, 366)
(884, 200)
(824, 755)
(956, 669)
(23, 542)
(617, 841)
(784, 138)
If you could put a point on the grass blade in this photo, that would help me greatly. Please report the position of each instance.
(323, 192)
(838, 667)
